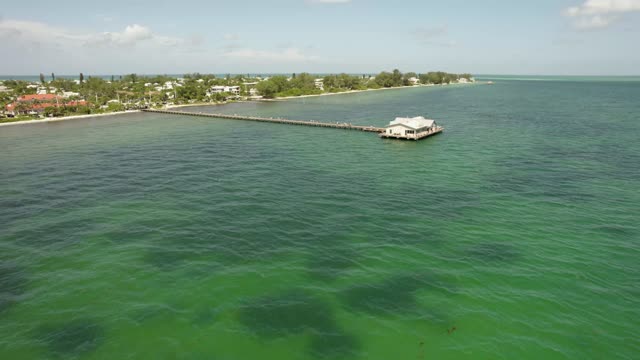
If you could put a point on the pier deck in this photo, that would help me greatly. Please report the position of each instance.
(418, 136)
(346, 126)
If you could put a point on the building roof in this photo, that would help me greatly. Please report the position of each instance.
(412, 123)
(38, 97)
(44, 105)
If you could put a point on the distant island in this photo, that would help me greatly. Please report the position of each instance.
(63, 97)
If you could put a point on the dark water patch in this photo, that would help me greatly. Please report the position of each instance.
(290, 313)
(616, 230)
(13, 284)
(337, 345)
(524, 185)
(72, 339)
(395, 295)
(493, 252)
(541, 173)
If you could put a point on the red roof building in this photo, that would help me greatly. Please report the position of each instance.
(40, 102)
(38, 97)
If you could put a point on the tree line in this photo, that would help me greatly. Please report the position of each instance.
(305, 83)
(134, 91)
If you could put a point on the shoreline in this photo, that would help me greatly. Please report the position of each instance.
(285, 98)
(64, 118)
(74, 117)
(364, 90)
(205, 104)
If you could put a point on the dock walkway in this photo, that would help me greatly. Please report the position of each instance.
(337, 125)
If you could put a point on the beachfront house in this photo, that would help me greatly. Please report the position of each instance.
(409, 128)
(44, 90)
(68, 94)
(319, 83)
(414, 80)
(235, 90)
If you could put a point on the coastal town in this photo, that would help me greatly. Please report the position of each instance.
(63, 96)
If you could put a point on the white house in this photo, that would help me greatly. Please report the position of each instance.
(414, 80)
(409, 128)
(228, 89)
(319, 83)
(68, 94)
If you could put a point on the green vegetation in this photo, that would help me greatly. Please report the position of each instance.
(304, 84)
(344, 82)
(281, 86)
(440, 77)
(135, 91)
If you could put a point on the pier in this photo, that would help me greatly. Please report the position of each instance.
(337, 125)
(417, 136)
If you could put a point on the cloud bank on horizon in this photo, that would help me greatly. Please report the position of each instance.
(326, 36)
(594, 14)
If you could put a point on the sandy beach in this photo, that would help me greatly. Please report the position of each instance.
(63, 118)
(360, 91)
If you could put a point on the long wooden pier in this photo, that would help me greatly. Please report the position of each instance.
(336, 125)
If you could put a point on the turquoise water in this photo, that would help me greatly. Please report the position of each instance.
(513, 235)
(547, 78)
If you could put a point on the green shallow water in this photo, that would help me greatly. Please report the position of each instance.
(512, 235)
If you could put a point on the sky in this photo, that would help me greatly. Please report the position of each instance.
(542, 37)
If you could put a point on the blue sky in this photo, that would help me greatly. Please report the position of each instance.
(564, 37)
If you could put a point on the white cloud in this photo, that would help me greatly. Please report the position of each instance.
(595, 14)
(35, 33)
(33, 47)
(131, 35)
